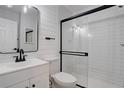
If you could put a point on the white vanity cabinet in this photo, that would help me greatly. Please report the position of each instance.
(23, 84)
(40, 81)
(32, 77)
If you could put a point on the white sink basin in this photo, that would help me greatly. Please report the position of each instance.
(15, 66)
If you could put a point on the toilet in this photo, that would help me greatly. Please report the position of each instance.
(59, 79)
(63, 80)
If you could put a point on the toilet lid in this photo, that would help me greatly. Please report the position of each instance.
(65, 77)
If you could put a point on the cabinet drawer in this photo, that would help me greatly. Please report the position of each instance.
(23, 84)
(40, 81)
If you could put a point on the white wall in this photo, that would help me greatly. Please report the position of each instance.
(105, 60)
(8, 29)
(75, 40)
(8, 14)
(64, 12)
(105, 51)
(103, 70)
(48, 27)
(76, 9)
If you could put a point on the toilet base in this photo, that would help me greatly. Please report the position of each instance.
(55, 85)
(59, 86)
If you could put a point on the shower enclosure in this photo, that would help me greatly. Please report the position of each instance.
(75, 49)
(90, 47)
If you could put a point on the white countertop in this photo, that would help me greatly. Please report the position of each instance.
(51, 59)
(12, 66)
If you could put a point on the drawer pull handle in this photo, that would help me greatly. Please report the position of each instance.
(33, 85)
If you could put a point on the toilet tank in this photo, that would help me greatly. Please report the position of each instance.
(54, 65)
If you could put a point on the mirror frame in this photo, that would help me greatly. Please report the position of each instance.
(18, 37)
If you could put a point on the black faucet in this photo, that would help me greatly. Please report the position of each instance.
(21, 55)
(21, 52)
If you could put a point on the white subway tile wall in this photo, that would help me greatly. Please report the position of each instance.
(106, 56)
(49, 27)
(105, 52)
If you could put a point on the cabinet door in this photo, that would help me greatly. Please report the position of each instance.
(23, 84)
(40, 81)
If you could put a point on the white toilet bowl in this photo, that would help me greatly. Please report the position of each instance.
(63, 80)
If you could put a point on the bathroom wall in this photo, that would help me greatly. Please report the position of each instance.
(105, 68)
(105, 60)
(76, 9)
(9, 14)
(64, 12)
(49, 26)
(105, 51)
(8, 29)
(76, 40)
(14, 17)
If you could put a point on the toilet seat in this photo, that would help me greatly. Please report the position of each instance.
(64, 79)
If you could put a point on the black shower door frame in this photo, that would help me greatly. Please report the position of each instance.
(71, 18)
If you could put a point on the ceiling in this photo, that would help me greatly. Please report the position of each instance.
(80, 8)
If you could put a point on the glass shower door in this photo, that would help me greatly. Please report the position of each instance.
(75, 49)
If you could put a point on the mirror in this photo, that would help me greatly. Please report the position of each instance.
(29, 36)
(18, 28)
